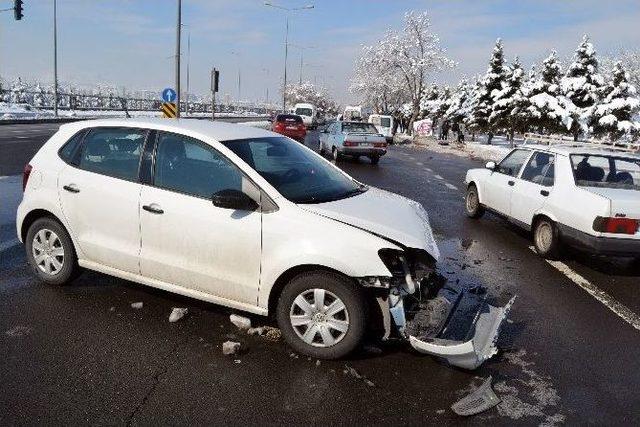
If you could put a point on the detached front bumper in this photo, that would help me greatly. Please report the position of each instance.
(459, 326)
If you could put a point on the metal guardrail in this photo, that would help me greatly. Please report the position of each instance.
(628, 146)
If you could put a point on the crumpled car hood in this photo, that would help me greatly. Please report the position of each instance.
(385, 214)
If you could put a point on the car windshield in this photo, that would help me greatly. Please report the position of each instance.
(295, 171)
(304, 111)
(359, 127)
(606, 171)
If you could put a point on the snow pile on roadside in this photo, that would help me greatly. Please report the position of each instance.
(493, 153)
(10, 111)
(263, 124)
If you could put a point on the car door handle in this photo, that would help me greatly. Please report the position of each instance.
(511, 183)
(153, 208)
(545, 193)
(71, 188)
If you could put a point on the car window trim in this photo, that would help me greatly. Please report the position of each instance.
(83, 142)
(535, 152)
(247, 177)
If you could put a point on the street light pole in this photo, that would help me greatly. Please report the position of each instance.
(286, 45)
(55, 58)
(188, 63)
(286, 53)
(178, 30)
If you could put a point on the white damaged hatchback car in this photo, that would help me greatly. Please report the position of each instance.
(236, 216)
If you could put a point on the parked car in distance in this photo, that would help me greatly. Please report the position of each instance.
(575, 194)
(355, 139)
(290, 125)
(229, 214)
(352, 113)
(308, 113)
(384, 124)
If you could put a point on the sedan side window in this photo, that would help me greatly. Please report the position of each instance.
(540, 169)
(188, 166)
(113, 151)
(512, 164)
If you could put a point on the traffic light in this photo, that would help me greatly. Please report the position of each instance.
(215, 78)
(17, 9)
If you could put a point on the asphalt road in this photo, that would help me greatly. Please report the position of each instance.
(80, 354)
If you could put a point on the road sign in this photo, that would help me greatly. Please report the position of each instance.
(168, 95)
(169, 110)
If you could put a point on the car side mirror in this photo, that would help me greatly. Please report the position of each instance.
(234, 199)
(491, 166)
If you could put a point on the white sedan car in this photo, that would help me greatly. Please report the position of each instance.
(236, 216)
(585, 197)
(355, 139)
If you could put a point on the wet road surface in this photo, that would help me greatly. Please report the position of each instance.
(81, 354)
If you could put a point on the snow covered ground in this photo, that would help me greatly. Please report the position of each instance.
(479, 149)
(10, 111)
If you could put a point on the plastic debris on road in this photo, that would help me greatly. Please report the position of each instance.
(136, 305)
(230, 347)
(480, 400)
(177, 314)
(241, 322)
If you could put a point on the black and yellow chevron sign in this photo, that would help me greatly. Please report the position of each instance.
(169, 110)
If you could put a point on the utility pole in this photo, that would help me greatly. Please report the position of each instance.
(55, 58)
(178, 30)
(301, 64)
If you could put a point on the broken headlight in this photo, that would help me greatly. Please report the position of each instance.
(394, 260)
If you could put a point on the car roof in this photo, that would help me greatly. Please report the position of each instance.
(592, 149)
(220, 131)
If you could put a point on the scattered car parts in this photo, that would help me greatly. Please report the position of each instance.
(478, 401)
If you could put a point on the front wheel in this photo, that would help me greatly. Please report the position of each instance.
(50, 252)
(472, 205)
(334, 154)
(546, 239)
(322, 315)
(321, 149)
(375, 160)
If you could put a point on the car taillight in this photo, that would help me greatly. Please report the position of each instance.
(380, 144)
(279, 126)
(616, 225)
(350, 144)
(25, 175)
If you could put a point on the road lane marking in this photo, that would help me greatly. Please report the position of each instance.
(428, 170)
(419, 163)
(604, 298)
(450, 186)
(438, 177)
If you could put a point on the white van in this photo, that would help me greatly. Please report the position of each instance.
(384, 124)
(352, 113)
(308, 113)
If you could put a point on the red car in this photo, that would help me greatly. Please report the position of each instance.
(290, 125)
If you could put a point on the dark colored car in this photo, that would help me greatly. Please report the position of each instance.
(290, 125)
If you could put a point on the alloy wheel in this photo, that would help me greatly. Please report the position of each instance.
(48, 252)
(319, 317)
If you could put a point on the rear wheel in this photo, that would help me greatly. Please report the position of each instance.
(322, 315)
(50, 252)
(375, 160)
(321, 149)
(546, 239)
(334, 154)
(472, 205)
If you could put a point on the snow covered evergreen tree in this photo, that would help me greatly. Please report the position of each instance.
(18, 95)
(619, 107)
(492, 82)
(581, 85)
(459, 107)
(546, 110)
(508, 102)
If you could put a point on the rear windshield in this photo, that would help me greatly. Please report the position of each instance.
(289, 118)
(359, 127)
(606, 171)
(304, 111)
(385, 122)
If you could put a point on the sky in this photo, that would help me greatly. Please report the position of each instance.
(131, 43)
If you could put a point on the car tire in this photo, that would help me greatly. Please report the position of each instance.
(321, 149)
(546, 238)
(335, 156)
(50, 252)
(472, 206)
(375, 160)
(297, 305)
